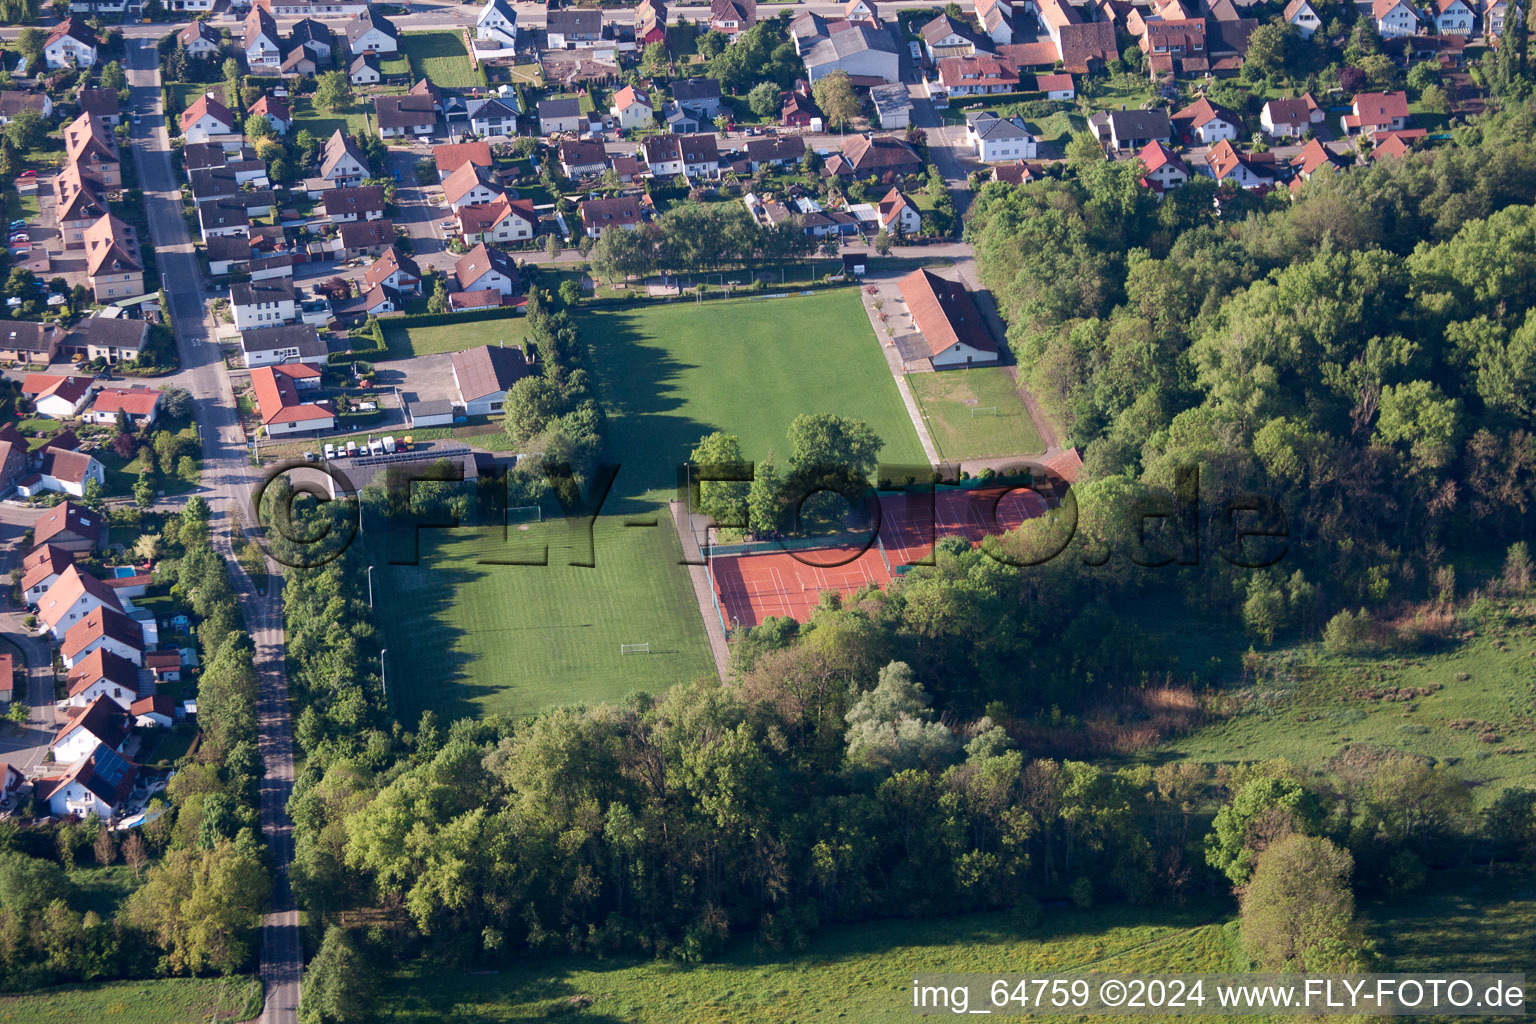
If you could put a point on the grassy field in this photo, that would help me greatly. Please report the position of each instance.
(855, 973)
(157, 1001)
(671, 374)
(322, 124)
(1477, 717)
(426, 341)
(441, 57)
(947, 398)
(488, 638)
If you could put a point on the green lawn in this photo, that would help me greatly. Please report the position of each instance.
(1318, 706)
(425, 341)
(442, 58)
(102, 889)
(322, 124)
(856, 973)
(156, 1001)
(947, 398)
(472, 638)
(671, 374)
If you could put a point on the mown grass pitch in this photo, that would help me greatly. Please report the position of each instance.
(469, 638)
(948, 398)
(672, 374)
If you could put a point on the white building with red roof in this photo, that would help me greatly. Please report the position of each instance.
(954, 333)
(140, 404)
(281, 409)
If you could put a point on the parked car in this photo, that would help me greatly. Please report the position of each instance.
(27, 174)
(311, 457)
(17, 225)
(351, 448)
(330, 451)
(20, 236)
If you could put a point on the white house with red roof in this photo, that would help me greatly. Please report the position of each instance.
(954, 333)
(1205, 122)
(98, 783)
(1376, 112)
(103, 674)
(632, 108)
(1165, 169)
(140, 404)
(206, 117)
(898, 214)
(282, 410)
(1290, 119)
(1394, 18)
(103, 628)
(41, 569)
(73, 596)
(101, 722)
(1454, 17)
(57, 396)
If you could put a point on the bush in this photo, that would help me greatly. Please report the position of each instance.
(1349, 633)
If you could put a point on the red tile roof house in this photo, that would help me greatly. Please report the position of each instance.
(346, 205)
(99, 722)
(1165, 169)
(69, 526)
(157, 711)
(41, 569)
(1290, 119)
(952, 326)
(140, 404)
(73, 596)
(977, 75)
(504, 220)
(64, 471)
(166, 665)
(58, 397)
(1202, 121)
(484, 375)
(98, 783)
(452, 156)
(599, 215)
(1375, 112)
(282, 411)
(393, 270)
(103, 674)
(482, 267)
(103, 628)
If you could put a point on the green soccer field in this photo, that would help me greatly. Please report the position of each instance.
(466, 637)
(950, 400)
(671, 374)
(441, 58)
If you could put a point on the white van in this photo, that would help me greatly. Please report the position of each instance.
(330, 452)
(389, 446)
(376, 448)
(351, 448)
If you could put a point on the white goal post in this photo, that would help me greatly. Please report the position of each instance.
(634, 649)
(985, 410)
(525, 514)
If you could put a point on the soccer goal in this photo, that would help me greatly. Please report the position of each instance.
(984, 410)
(634, 649)
(525, 514)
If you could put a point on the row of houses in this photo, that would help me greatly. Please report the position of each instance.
(91, 170)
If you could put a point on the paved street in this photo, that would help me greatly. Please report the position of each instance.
(228, 481)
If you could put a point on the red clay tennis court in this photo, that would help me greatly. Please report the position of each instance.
(750, 587)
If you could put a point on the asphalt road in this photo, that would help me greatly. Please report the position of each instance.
(228, 481)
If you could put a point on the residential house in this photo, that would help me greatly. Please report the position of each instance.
(999, 25)
(471, 184)
(405, 116)
(201, 40)
(98, 783)
(73, 596)
(692, 156)
(1056, 87)
(580, 159)
(867, 54)
(112, 266)
(103, 674)
(861, 10)
(41, 568)
(341, 162)
(316, 35)
(1168, 43)
(977, 76)
(365, 69)
(483, 267)
(499, 221)
(1376, 112)
(954, 333)
(898, 215)
(58, 397)
(262, 304)
(371, 33)
(102, 104)
(1081, 46)
(800, 110)
(631, 108)
(138, 404)
(732, 17)
(1495, 13)
(91, 148)
(893, 107)
(1454, 17)
(103, 629)
(226, 216)
(206, 117)
(492, 117)
(947, 37)
(560, 116)
(365, 238)
(156, 711)
(77, 205)
(276, 346)
(71, 44)
(599, 215)
(453, 155)
(276, 111)
(112, 339)
(1394, 18)
(1133, 129)
(699, 96)
(100, 723)
(497, 23)
(301, 61)
(573, 29)
(14, 101)
(281, 409)
(344, 205)
(1204, 122)
(999, 139)
(865, 155)
(72, 527)
(1165, 169)
(63, 472)
(24, 341)
(1303, 15)
(1290, 119)
(260, 42)
(484, 375)
(13, 462)
(393, 271)
(774, 151)
(650, 23)
(1226, 164)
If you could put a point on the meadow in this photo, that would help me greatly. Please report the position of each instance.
(472, 638)
(425, 341)
(948, 399)
(151, 1001)
(442, 58)
(671, 374)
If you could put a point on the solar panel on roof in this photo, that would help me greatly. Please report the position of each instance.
(110, 766)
